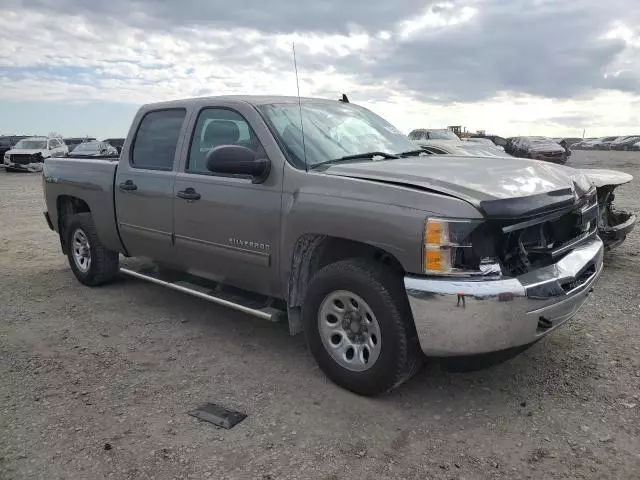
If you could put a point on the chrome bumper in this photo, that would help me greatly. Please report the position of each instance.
(455, 317)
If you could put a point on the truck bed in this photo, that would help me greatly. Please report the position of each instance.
(90, 179)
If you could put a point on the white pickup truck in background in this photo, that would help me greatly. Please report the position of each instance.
(30, 153)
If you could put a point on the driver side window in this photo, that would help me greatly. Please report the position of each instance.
(215, 127)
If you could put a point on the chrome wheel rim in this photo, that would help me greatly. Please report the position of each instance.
(349, 330)
(81, 251)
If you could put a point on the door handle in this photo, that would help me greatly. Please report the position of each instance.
(189, 194)
(128, 185)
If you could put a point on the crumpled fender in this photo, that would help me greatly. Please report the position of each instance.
(613, 225)
(601, 177)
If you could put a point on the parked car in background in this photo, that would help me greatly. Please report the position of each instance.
(606, 143)
(94, 149)
(433, 134)
(487, 142)
(30, 153)
(73, 142)
(593, 143)
(568, 142)
(635, 146)
(115, 142)
(625, 143)
(463, 149)
(538, 148)
(7, 142)
(496, 139)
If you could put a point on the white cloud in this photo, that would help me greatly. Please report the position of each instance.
(79, 59)
(439, 15)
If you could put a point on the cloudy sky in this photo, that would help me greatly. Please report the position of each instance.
(512, 67)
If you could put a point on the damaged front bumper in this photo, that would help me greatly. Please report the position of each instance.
(29, 167)
(458, 317)
(613, 225)
(614, 235)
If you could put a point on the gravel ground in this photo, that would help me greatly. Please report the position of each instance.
(96, 383)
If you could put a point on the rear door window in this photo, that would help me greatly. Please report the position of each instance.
(156, 140)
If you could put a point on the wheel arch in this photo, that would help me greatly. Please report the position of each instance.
(67, 206)
(312, 252)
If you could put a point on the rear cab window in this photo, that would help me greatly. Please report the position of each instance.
(156, 140)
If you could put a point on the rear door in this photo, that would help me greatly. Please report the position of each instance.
(144, 184)
(226, 227)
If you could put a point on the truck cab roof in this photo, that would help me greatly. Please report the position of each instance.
(250, 99)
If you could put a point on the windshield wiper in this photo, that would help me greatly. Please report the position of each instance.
(411, 153)
(358, 156)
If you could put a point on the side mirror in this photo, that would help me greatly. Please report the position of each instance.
(238, 160)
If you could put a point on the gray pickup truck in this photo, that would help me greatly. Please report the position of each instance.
(324, 215)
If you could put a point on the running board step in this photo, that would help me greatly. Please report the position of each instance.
(259, 306)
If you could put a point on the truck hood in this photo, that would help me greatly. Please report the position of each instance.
(498, 187)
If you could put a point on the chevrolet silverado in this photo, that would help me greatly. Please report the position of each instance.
(322, 214)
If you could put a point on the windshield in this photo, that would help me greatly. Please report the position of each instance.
(442, 135)
(332, 131)
(87, 147)
(32, 144)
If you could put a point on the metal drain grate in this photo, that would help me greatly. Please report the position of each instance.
(218, 415)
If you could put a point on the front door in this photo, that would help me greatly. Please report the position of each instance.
(144, 185)
(226, 228)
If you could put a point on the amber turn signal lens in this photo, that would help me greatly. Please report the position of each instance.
(433, 260)
(433, 232)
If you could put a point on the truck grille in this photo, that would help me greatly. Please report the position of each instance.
(542, 241)
(25, 159)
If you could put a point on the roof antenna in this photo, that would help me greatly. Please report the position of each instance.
(344, 98)
(304, 147)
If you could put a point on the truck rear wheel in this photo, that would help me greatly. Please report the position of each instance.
(358, 326)
(91, 262)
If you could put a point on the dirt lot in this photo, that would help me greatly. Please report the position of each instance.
(96, 383)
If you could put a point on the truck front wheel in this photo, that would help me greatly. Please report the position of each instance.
(91, 262)
(357, 325)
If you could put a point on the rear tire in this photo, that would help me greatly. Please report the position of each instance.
(375, 365)
(91, 262)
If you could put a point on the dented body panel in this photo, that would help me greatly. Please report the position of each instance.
(613, 225)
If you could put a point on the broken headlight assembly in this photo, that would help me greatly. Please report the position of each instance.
(459, 247)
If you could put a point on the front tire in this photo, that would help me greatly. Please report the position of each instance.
(91, 262)
(359, 328)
